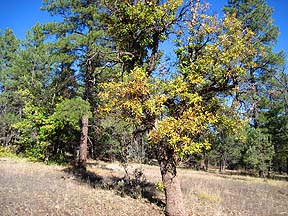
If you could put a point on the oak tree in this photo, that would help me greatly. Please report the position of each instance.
(178, 112)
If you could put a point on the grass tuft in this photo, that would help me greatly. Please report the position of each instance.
(214, 198)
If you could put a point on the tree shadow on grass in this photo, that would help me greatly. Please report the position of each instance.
(134, 186)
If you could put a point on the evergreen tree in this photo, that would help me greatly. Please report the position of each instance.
(275, 121)
(10, 109)
(227, 144)
(257, 16)
(30, 100)
(258, 151)
(83, 48)
(30, 79)
(84, 52)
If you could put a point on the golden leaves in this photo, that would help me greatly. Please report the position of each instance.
(135, 97)
(187, 107)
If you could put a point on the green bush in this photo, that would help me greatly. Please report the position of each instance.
(43, 134)
(7, 152)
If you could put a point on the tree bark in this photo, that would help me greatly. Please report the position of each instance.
(83, 143)
(206, 162)
(223, 161)
(173, 194)
(287, 164)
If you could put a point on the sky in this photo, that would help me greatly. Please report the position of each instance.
(21, 15)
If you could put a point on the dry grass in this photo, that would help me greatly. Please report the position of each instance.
(212, 194)
(35, 189)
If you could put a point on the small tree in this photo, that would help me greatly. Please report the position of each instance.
(259, 151)
(227, 144)
(43, 134)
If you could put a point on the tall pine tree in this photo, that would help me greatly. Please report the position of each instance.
(84, 54)
(257, 16)
(10, 108)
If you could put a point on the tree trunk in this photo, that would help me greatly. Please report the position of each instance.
(83, 142)
(206, 162)
(223, 161)
(173, 194)
(287, 164)
(222, 165)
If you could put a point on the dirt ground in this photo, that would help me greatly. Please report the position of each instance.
(36, 189)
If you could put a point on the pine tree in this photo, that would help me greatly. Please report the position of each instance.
(275, 121)
(9, 109)
(29, 83)
(257, 16)
(83, 50)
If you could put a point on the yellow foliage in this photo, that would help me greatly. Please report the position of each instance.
(135, 97)
(183, 109)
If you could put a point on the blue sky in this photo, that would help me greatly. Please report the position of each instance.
(21, 15)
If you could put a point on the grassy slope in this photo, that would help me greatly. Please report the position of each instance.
(34, 189)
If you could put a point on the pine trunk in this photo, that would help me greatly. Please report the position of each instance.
(206, 162)
(173, 194)
(222, 164)
(83, 143)
(287, 165)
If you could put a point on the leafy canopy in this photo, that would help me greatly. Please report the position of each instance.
(180, 111)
